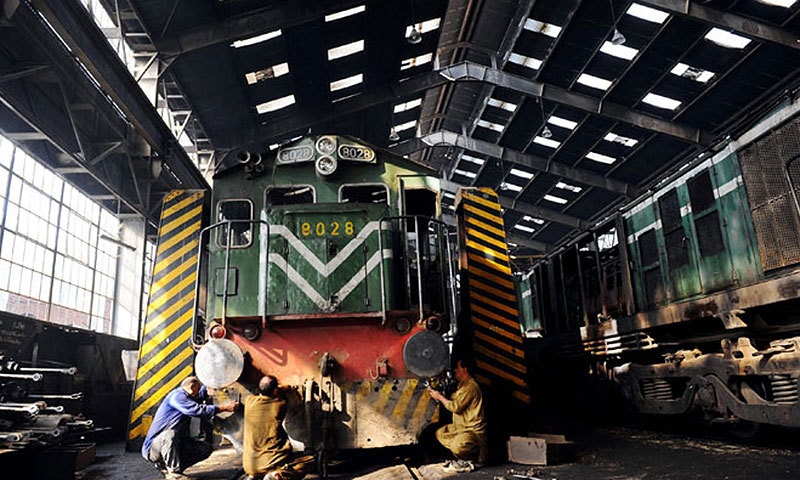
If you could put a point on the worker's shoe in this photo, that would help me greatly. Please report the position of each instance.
(458, 466)
(176, 476)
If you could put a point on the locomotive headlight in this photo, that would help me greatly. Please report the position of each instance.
(326, 145)
(326, 165)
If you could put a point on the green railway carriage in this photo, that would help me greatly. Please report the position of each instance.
(688, 297)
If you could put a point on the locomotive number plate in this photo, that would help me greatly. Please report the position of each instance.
(295, 154)
(356, 152)
(327, 229)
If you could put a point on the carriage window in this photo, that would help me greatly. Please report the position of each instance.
(240, 213)
(289, 195)
(376, 193)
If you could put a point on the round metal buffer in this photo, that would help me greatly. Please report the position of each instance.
(425, 354)
(219, 363)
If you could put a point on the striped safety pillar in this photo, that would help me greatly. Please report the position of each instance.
(489, 298)
(165, 354)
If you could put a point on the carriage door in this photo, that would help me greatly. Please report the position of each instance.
(683, 278)
(716, 269)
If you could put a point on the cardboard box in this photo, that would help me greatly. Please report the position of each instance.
(538, 449)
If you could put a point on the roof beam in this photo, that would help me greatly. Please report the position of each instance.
(519, 240)
(444, 137)
(263, 20)
(461, 72)
(744, 25)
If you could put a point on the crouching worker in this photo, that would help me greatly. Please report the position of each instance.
(466, 436)
(168, 443)
(267, 452)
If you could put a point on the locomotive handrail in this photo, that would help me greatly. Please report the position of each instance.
(203, 232)
(427, 221)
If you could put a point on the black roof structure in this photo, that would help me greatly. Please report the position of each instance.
(567, 108)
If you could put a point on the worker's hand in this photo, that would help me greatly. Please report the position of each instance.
(434, 394)
(229, 406)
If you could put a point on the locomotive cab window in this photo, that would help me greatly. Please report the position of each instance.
(364, 193)
(240, 214)
(290, 195)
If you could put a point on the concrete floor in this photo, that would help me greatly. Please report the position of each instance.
(599, 453)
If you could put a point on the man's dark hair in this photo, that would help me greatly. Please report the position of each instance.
(468, 363)
(267, 385)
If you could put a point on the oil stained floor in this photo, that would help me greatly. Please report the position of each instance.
(598, 453)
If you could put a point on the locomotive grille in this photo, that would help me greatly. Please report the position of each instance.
(774, 214)
(784, 389)
(656, 389)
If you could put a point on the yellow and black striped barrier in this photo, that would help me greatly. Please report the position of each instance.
(488, 294)
(165, 354)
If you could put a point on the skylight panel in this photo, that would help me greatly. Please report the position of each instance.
(448, 194)
(345, 13)
(267, 73)
(567, 186)
(276, 104)
(692, 73)
(600, 158)
(345, 50)
(257, 39)
(535, 220)
(464, 173)
(416, 61)
(594, 82)
(562, 122)
(347, 82)
(613, 137)
(521, 173)
(778, 3)
(402, 107)
(510, 186)
(423, 27)
(646, 13)
(540, 27)
(405, 126)
(661, 101)
(619, 51)
(547, 142)
(555, 199)
(471, 159)
(529, 62)
(496, 127)
(726, 39)
(524, 228)
(509, 107)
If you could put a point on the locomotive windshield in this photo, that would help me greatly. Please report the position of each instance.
(239, 212)
(292, 195)
(374, 193)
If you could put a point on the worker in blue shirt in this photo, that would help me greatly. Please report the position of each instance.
(168, 443)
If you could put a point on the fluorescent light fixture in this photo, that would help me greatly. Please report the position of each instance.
(511, 186)
(471, 159)
(423, 27)
(778, 3)
(619, 51)
(726, 39)
(566, 186)
(276, 104)
(546, 142)
(554, 199)
(274, 71)
(448, 195)
(529, 62)
(540, 27)
(521, 173)
(594, 82)
(509, 107)
(496, 127)
(692, 73)
(257, 39)
(646, 13)
(402, 107)
(416, 61)
(406, 125)
(661, 101)
(464, 173)
(524, 228)
(613, 137)
(347, 82)
(600, 158)
(562, 122)
(344, 13)
(535, 220)
(345, 50)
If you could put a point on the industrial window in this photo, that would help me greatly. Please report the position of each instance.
(240, 214)
(370, 193)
